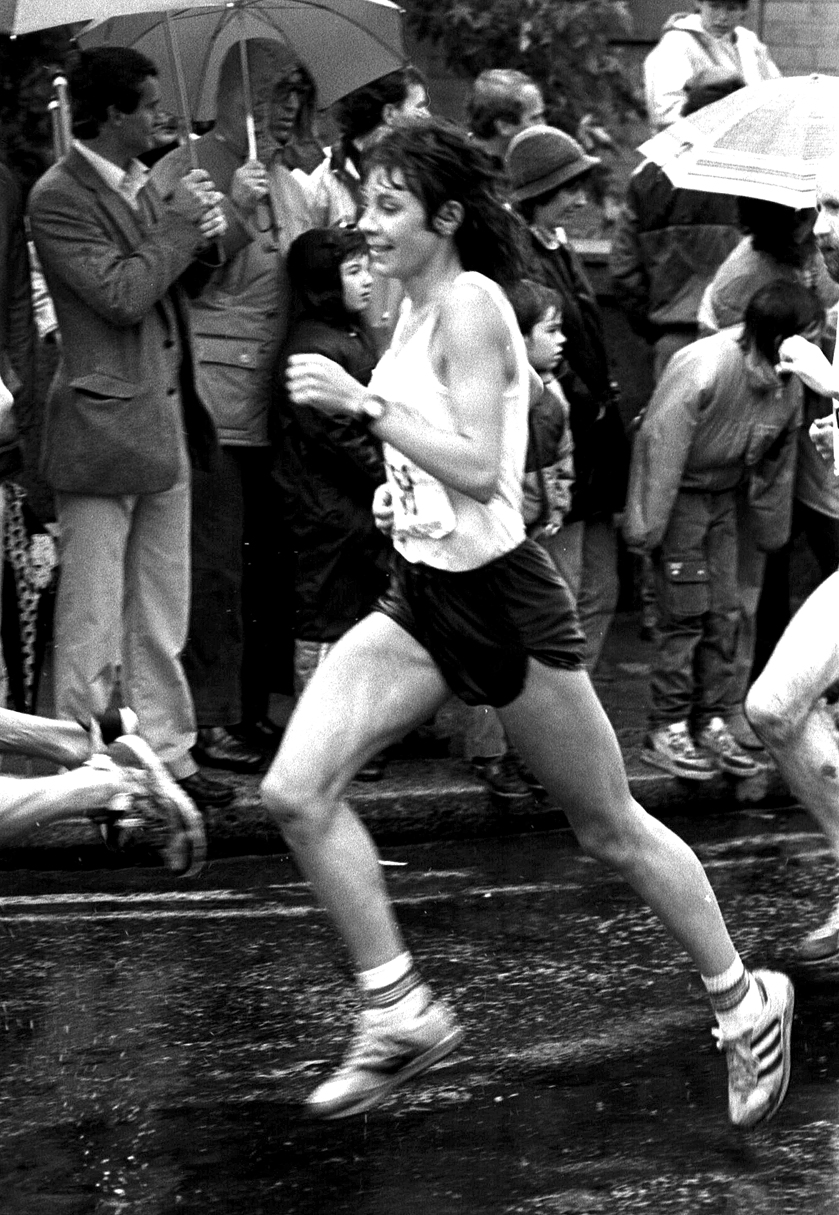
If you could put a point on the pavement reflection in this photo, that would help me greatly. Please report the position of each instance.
(158, 1040)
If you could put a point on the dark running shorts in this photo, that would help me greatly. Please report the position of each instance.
(480, 626)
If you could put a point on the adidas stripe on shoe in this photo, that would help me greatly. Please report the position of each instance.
(759, 1059)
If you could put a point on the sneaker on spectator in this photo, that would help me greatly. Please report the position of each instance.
(759, 1059)
(381, 1057)
(822, 942)
(502, 775)
(716, 740)
(672, 749)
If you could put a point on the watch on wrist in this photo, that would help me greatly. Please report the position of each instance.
(372, 406)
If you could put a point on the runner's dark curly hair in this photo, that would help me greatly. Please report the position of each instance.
(439, 163)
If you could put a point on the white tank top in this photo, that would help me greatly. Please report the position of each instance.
(433, 523)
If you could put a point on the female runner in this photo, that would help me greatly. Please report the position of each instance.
(476, 609)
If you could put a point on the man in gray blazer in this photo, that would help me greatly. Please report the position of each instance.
(123, 422)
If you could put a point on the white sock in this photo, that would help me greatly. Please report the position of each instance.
(394, 989)
(735, 998)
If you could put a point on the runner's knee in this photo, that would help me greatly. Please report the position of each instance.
(612, 841)
(774, 722)
(296, 804)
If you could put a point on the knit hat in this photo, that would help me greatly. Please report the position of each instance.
(540, 159)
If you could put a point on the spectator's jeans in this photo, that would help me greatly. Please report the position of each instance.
(696, 574)
(236, 600)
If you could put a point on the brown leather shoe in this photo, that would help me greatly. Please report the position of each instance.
(206, 793)
(218, 748)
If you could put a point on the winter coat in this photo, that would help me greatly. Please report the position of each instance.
(327, 469)
(549, 466)
(684, 50)
(601, 449)
(745, 271)
(241, 316)
(713, 425)
(666, 247)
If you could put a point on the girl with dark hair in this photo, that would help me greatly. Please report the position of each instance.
(717, 442)
(328, 467)
(475, 608)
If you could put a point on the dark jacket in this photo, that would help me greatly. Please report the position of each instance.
(327, 469)
(667, 245)
(601, 448)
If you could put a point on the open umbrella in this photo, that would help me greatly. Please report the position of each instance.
(343, 43)
(26, 16)
(764, 141)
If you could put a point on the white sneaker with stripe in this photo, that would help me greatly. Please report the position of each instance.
(759, 1059)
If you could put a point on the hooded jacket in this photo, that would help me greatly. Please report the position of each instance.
(684, 50)
(714, 425)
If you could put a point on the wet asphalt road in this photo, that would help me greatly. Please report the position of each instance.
(158, 1037)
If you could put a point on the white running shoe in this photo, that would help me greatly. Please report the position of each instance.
(759, 1059)
(822, 942)
(185, 849)
(381, 1058)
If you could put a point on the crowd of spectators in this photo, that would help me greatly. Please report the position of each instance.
(214, 540)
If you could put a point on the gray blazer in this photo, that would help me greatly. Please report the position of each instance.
(114, 420)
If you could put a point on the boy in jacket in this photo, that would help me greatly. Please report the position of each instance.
(721, 423)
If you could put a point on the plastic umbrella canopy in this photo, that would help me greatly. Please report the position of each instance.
(343, 43)
(26, 16)
(765, 141)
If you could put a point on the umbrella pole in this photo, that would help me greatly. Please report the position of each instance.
(184, 136)
(248, 98)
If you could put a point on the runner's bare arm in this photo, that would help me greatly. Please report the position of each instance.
(471, 353)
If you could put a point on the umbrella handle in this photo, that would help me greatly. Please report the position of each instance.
(58, 150)
(250, 126)
(62, 126)
(184, 135)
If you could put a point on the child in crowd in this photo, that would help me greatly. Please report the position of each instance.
(717, 441)
(549, 469)
(328, 467)
(548, 479)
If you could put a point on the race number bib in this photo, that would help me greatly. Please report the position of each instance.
(421, 506)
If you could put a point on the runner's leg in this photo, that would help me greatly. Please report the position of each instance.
(29, 802)
(785, 710)
(375, 685)
(61, 742)
(558, 725)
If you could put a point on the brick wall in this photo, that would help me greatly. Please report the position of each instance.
(803, 35)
